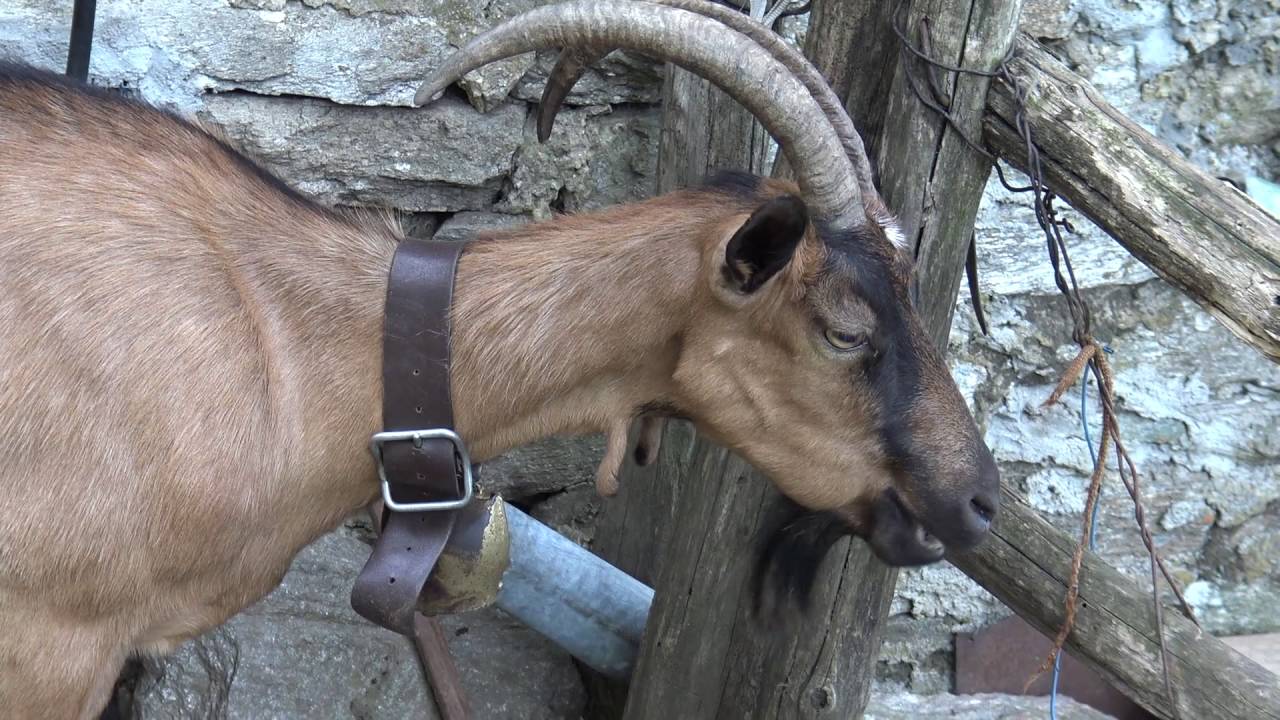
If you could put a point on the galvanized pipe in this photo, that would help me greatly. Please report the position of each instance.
(583, 604)
(500, 556)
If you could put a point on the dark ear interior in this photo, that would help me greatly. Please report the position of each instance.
(765, 242)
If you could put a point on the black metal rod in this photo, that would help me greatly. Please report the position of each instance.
(81, 39)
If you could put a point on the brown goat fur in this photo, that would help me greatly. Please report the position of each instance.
(190, 359)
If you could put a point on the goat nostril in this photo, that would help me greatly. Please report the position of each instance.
(983, 509)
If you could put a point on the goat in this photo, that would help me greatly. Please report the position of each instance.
(190, 350)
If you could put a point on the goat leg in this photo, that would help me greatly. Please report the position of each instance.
(615, 451)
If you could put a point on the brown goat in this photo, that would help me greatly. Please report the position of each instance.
(190, 355)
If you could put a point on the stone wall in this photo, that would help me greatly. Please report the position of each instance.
(319, 90)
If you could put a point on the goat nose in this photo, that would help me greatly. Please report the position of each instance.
(973, 520)
(983, 507)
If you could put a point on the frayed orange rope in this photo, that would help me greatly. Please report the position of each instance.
(1092, 357)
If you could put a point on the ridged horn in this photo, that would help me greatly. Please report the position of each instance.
(729, 59)
(573, 63)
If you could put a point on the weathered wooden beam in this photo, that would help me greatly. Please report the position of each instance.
(1026, 564)
(1199, 233)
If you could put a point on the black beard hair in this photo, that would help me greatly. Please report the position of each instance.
(787, 559)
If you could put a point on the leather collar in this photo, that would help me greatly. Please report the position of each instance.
(422, 464)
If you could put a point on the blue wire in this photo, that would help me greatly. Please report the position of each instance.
(1093, 519)
(1053, 692)
(1084, 424)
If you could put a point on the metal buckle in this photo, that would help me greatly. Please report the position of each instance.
(417, 436)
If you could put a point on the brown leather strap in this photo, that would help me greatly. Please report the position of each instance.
(415, 387)
(442, 673)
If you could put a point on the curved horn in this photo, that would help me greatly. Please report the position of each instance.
(572, 64)
(727, 58)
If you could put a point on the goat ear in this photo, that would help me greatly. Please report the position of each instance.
(765, 243)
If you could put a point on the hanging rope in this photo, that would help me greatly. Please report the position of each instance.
(1090, 513)
(1091, 358)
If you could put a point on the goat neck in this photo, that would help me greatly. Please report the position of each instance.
(571, 326)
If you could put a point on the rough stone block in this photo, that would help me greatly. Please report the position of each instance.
(543, 468)
(945, 706)
(464, 225)
(443, 157)
(594, 159)
(1048, 19)
(619, 78)
(354, 52)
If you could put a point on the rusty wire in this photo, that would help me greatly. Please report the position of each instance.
(1091, 357)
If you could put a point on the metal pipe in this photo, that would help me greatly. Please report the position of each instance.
(588, 607)
(500, 556)
(82, 15)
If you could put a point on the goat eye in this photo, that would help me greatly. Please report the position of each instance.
(844, 341)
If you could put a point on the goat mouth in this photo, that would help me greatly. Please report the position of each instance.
(927, 540)
(789, 556)
(898, 537)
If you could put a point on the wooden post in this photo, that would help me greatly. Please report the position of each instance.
(1199, 233)
(704, 656)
